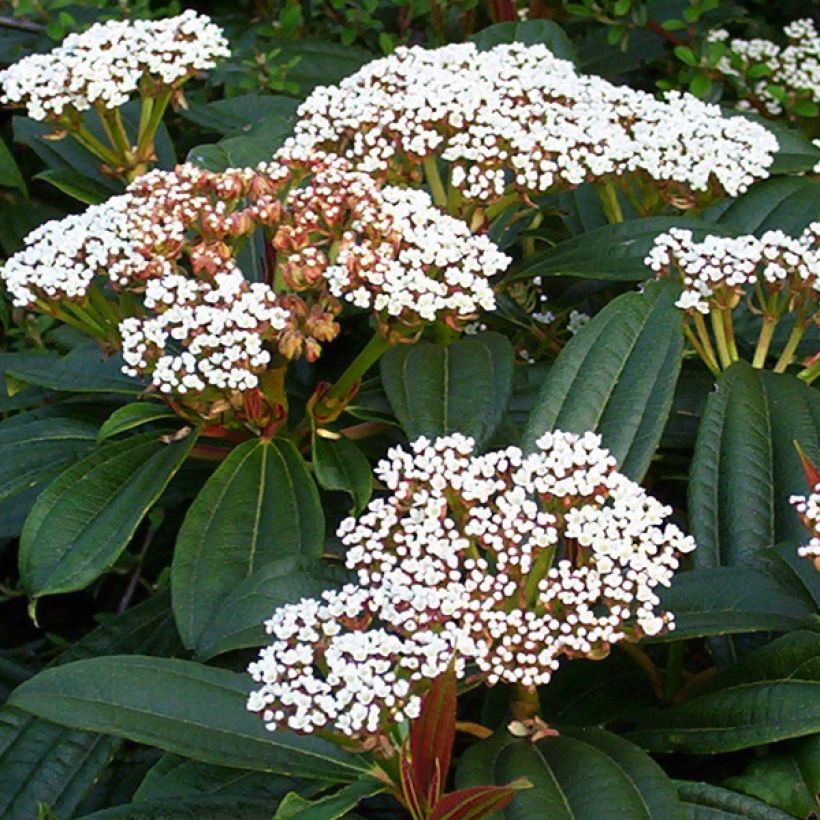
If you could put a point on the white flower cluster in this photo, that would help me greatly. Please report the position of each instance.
(107, 63)
(808, 508)
(502, 562)
(795, 67)
(518, 118)
(62, 257)
(440, 267)
(718, 270)
(219, 331)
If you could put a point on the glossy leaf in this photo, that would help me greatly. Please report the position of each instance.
(85, 518)
(238, 115)
(133, 415)
(617, 377)
(529, 32)
(45, 762)
(772, 694)
(179, 706)
(75, 185)
(331, 807)
(745, 465)
(583, 773)
(202, 808)
(464, 387)
(10, 176)
(731, 600)
(703, 801)
(340, 465)
(238, 622)
(615, 252)
(261, 504)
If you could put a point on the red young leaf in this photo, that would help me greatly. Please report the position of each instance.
(812, 473)
(432, 735)
(408, 786)
(472, 804)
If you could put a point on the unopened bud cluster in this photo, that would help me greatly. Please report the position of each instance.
(517, 119)
(808, 508)
(718, 271)
(329, 233)
(499, 563)
(795, 68)
(106, 64)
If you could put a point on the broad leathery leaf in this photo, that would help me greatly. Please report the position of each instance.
(320, 62)
(787, 776)
(134, 415)
(259, 505)
(783, 203)
(472, 804)
(795, 573)
(75, 185)
(581, 773)
(10, 176)
(85, 518)
(179, 706)
(796, 153)
(464, 387)
(43, 762)
(731, 600)
(432, 735)
(340, 465)
(331, 807)
(614, 253)
(237, 807)
(83, 370)
(772, 694)
(238, 115)
(617, 377)
(529, 32)
(745, 465)
(238, 622)
(703, 801)
(33, 452)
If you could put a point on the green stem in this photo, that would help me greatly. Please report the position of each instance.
(792, 343)
(764, 341)
(524, 703)
(433, 178)
(695, 342)
(729, 330)
(810, 373)
(608, 195)
(146, 108)
(705, 340)
(92, 144)
(719, 329)
(528, 244)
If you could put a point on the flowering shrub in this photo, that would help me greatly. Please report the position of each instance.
(410, 410)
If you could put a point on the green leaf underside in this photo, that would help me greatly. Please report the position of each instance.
(261, 504)
(617, 377)
(703, 801)
(85, 518)
(181, 707)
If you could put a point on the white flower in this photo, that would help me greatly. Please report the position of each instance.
(808, 508)
(106, 64)
(515, 117)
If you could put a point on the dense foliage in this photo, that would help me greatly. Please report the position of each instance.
(409, 409)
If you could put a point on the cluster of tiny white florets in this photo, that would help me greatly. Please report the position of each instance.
(808, 508)
(106, 64)
(517, 118)
(795, 67)
(501, 562)
(203, 334)
(719, 270)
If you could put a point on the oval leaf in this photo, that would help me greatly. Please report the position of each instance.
(85, 518)
(133, 415)
(340, 465)
(436, 390)
(617, 377)
(259, 505)
(703, 801)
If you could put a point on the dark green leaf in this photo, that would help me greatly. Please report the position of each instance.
(727, 600)
(203, 808)
(745, 466)
(10, 176)
(181, 707)
(238, 622)
(238, 115)
(703, 801)
(617, 377)
(133, 415)
(529, 32)
(75, 185)
(436, 390)
(340, 465)
(615, 253)
(332, 807)
(261, 504)
(85, 518)
(772, 694)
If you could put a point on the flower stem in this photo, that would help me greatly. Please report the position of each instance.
(764, 341)
(94, 146)
(792, 343)
(706, 341)
(810, 373)
(433, 178)
(719, 329)
(708, 360)
(645, 662)
(608, 195)
(524, 703)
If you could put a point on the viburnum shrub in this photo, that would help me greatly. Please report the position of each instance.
(416, 417)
